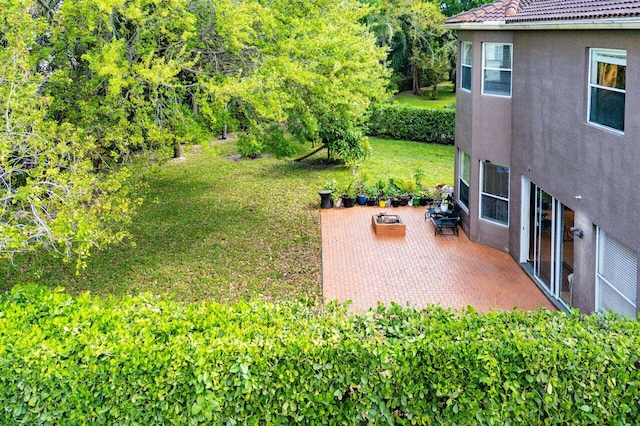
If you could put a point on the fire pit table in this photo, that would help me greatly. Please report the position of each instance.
(388, 224)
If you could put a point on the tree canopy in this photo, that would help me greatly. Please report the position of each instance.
(86, 85)
(453, 7)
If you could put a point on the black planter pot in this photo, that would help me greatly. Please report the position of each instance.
(423, 201)
(404, 201)
(325, 199)
(372, 201)
(395, 202)
(348, 202)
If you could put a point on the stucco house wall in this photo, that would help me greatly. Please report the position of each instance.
(542, 133)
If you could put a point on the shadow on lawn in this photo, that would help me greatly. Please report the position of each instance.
(196, 237)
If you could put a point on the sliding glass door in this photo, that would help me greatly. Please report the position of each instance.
(550, 243)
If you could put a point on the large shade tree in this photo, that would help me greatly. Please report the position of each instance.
(86, 84)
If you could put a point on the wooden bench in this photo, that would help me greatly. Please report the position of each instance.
(442, 223)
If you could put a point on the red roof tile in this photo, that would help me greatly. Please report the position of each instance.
(521, 11)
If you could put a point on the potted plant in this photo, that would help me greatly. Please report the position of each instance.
(361, 193)
(349, 196)
(380, 195)
(336, 197)
(406, 187)
(372, 195)
(426, 197)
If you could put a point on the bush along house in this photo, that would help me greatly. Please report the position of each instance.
(548, 143)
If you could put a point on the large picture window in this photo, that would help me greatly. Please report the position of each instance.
(496, 69)
(616, 276)
(464, 169)
(494, 193)
(607, 81)
(465, 64)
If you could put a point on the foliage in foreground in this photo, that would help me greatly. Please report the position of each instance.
(142, 360)
(410, 123)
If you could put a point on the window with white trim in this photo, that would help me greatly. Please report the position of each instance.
(607, 87)
(463, 178)
(616, 276)
(496, 69)
(494, 193)
(466, 53)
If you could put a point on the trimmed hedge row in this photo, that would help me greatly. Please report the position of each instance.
(144, 360)
(410, 123)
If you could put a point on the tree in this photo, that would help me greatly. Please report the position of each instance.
(417, 28)
(50, 195)
(453, 7)
(312, 69)
(85, 84)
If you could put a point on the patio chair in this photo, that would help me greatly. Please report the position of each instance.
(442, 223)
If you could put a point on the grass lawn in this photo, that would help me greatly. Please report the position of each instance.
(445, 98)
(211, 228)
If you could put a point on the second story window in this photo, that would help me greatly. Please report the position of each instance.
(496, 69)
(607, 81)
(465, 64)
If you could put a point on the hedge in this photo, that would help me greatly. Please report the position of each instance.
(410, 123)
(144, 360)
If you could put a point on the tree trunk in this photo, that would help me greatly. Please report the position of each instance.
(454, 76)
(310, 154)
(224, 132)
(417, 79)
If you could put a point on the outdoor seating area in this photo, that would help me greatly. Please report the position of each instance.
(443, 219)
(418, 268)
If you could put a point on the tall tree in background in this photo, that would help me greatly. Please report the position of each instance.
(411, 31)
(453, 7)
(420, 50)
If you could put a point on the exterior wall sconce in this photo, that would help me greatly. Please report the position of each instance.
(577, 231)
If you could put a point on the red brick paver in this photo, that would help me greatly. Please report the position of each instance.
(419, 268)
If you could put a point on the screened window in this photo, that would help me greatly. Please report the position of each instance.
(464, 168)
(494, 194)
(465, 65)
(616, 276)
(496, 69)
(607, 82)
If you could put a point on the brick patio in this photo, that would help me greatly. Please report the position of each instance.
(419, 268)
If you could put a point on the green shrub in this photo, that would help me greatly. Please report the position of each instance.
(409, 123)
(249, 146)
(143, 360)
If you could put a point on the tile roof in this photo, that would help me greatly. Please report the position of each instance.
(522, 11)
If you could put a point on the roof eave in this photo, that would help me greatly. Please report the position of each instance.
(583, 24)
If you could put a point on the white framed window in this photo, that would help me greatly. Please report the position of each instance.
(607, 87)
(616, 276)
(496, 69)
(464, 166)
(494, 193)
(466, 54)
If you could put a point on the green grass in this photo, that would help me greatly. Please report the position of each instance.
(445, 98)
(215, 229)
(393, 158)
